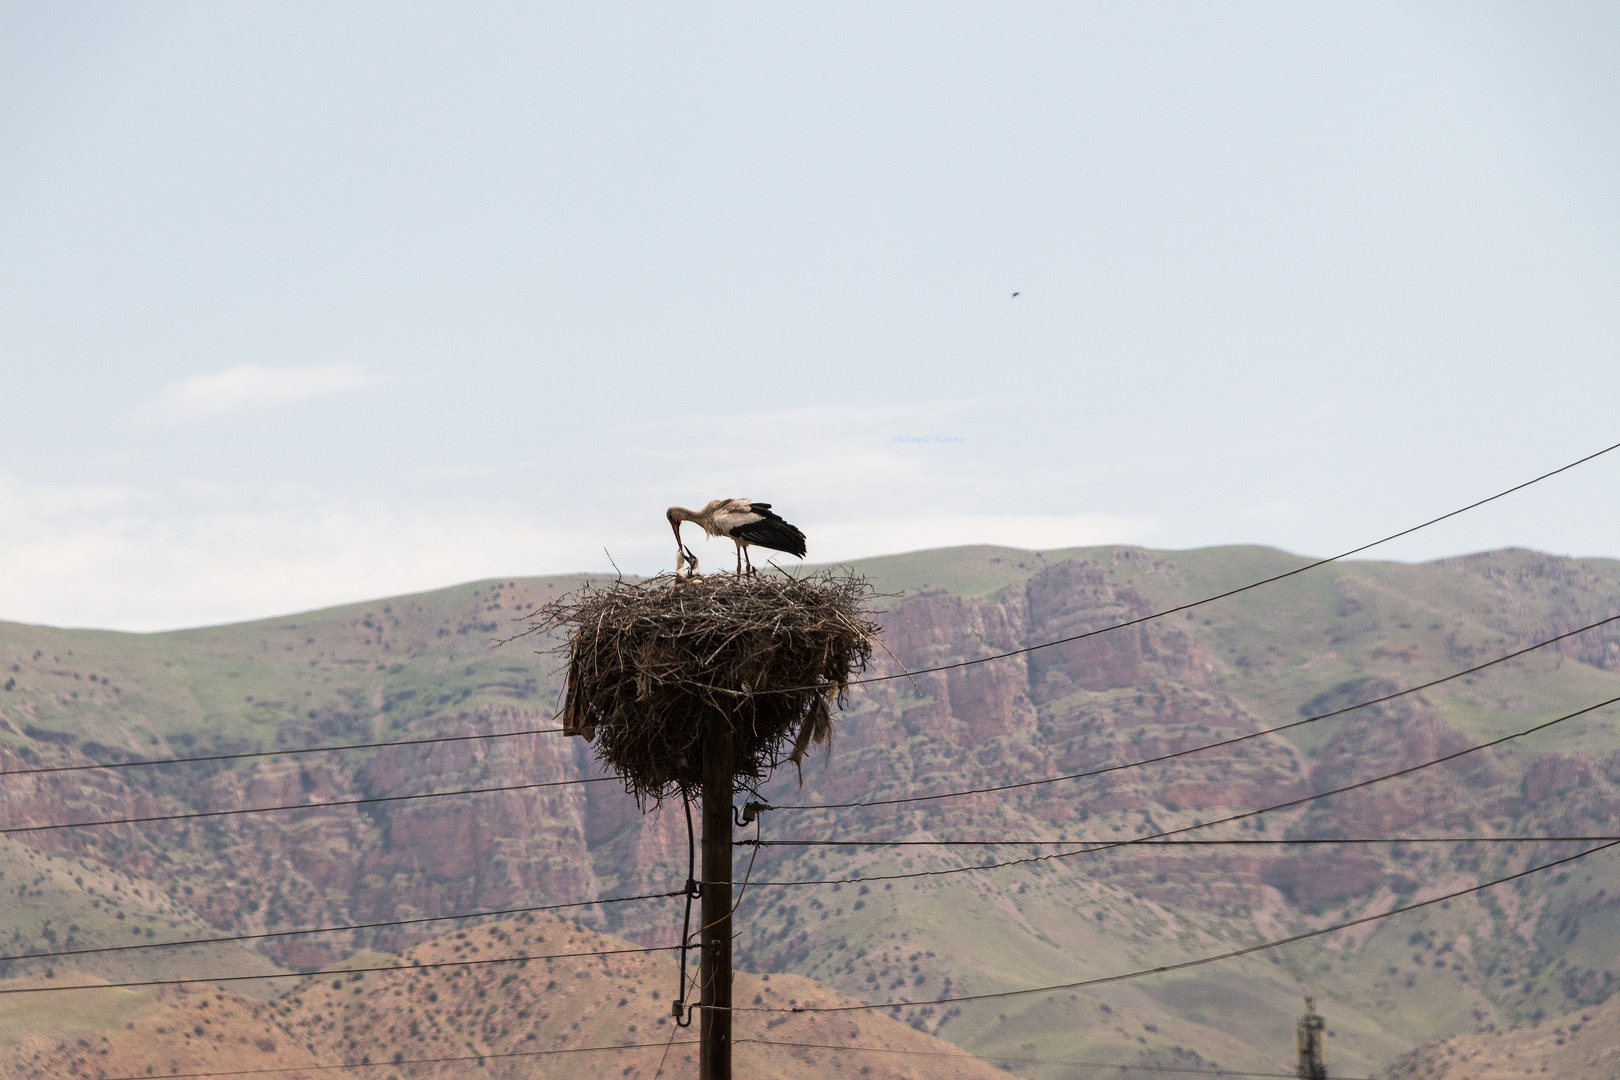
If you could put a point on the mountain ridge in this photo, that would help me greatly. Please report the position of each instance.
(419, 665)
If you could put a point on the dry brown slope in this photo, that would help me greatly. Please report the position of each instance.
(533, 1010)
(566, 1017)
(104, 1034)
(1581, 1046)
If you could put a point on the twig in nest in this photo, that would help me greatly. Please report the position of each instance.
(649, 665)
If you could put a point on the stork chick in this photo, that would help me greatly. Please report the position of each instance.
(686, 564)
(745, 522)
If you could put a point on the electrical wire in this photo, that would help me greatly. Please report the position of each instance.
(822, 806)
(1114, 844)
(335, 929)
(758, 843)
(686, 928)
(746, 881)
(403, 1061)
(13, 830)
(1104, 846)
(274, 753)
(1200, 961)
(1209, 599)
(691, 892)
(1218, 821)
(1206, 746)
(665, 1055)
(1028, 1060)
(946, 667)
(748, 875)
(330, 971)
(876, 679)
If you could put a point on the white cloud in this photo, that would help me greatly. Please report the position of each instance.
(187, 552)
(95, 555)
(250, 386)
(153, 562)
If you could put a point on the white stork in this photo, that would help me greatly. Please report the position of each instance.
(745, 522)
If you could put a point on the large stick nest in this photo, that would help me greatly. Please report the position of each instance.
(651, 663)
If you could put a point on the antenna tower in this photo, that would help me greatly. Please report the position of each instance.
(1308, 1037)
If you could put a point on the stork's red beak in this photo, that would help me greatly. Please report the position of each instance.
(675, 524)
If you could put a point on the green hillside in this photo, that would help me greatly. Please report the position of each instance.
(278, 682)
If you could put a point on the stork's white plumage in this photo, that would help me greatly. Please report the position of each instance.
(744, 522)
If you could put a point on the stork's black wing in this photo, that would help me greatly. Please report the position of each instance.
(771, 532)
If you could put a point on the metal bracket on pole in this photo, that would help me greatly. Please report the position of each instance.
(750, 811)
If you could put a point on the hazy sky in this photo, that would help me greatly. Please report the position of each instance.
(306, 303)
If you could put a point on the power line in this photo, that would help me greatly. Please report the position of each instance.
(693, 1042)
(1027, 1060)
(336, 929)
(945, 667)
(673, 1028)
(300, 806)
(1151, 840)
(881, 678)
(1206, 746)
(274, 753)
(331, 971)
(961, 664)
(409, 1061)
(1299, 570)
(1202, 960)
(1208, 824)
(1218, 596)
(1112, 844)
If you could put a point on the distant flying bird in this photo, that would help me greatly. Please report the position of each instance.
(1015, 294)
(745, 522)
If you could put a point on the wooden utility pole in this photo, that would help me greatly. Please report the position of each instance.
(714, 968)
